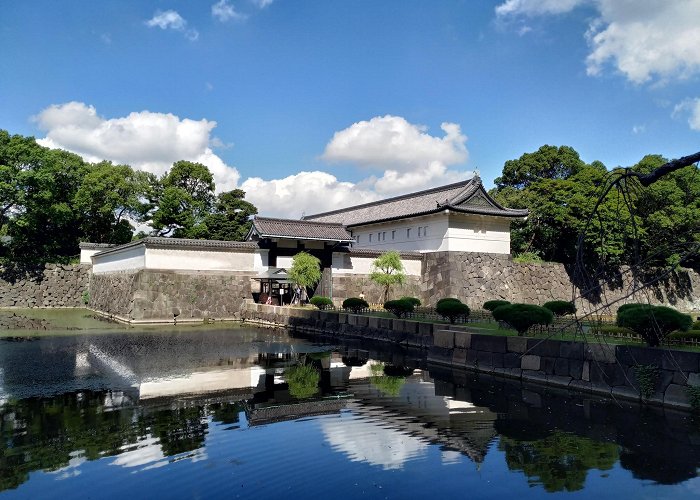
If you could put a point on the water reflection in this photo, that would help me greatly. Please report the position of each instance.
(145, 403)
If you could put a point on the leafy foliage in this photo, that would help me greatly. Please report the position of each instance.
(522, 316)
(647, 376)
(413, 300)
(321, 302)
(400, 308)
(490, 305)
(560, 307)
(305, 270)
(452, 309)
(303, 380)
(653, 323)
(387, 271)
(355, 304)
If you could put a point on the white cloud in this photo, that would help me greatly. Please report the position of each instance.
(224, 11)
(643, 39)
(639, 129)
(536, 7)
(261, 4)
(304, 193)
(170, 19)
(691, 108)
(145, 140)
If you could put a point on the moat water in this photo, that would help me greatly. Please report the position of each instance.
(236, 412)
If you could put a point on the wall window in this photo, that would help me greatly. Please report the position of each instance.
(358, 239)
(370, 237)
(420, 231)
(383, 235)
(408, 233)
(425, 231)
(393, 235)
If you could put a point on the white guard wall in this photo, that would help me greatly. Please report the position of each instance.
(126, 259)
(87, 253)
(347, 264)
(454, 232)
(199, 259)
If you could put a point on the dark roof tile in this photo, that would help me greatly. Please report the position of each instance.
(268, 227)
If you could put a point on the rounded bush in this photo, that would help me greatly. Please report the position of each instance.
(399, 307)
(696, 325)
(560, 307)
(653, 323)
(413, 300)
(625, 307)
(321, 302)
(689, 335)
(490, 305)
(452, 309)
(355, 304)
(523, 316)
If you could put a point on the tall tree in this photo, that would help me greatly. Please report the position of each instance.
(387, 271)
(230, 219)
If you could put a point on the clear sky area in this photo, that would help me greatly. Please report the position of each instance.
(314, 105)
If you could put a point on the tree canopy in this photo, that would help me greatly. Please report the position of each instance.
(387, 271)
(305, 270)
(52, 199)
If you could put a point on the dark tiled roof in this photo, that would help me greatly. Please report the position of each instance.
(184, 243)
(93, 246)
(369, 252)
(268, 227)
(466, 197)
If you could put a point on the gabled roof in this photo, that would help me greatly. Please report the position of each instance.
(267, 227)
(466, 197)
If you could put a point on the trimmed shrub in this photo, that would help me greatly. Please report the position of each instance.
(689, 335)
(560, 307)
(355, 304)
(696, 325)
(452, 309)
(490, 305)
(413, 300)
(653, 323)
(625, 307)
(321, 302)
(522, 316)
(399, 307)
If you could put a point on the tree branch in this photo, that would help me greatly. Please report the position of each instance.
(673, 165)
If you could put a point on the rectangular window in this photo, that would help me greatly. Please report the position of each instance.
(383, 235)
(358, 239)
(420, 231)
(393, 235)
(408, 232)
(425, 231)
(370, 237)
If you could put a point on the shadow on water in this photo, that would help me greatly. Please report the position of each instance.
(153, 399)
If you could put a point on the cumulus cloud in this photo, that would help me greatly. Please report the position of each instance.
(145, 140)
(304, 193)
(171, 19)
(691, 109)
(261, 4)
(224, 11)
(643, 39)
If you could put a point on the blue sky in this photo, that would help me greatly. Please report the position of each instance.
(312, 105)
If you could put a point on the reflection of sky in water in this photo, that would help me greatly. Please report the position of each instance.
(370, 441)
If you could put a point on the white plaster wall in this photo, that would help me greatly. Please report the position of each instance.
(473, 233)
(395, 235)
(87, 253)
(284, 262)
(199, 259)
(128, 259)
(344, 264)
(261, 260)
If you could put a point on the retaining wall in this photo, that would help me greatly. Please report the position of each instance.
(170, 296)
(605, 370)
(52, 285)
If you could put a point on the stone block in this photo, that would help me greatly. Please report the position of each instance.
(530, 362)
(343, 318)
(516, 344)
(471, 358)
(694, 379)
(561, 367)
(373, 322)
(362, 321)
(637, 355)
(681, 360)
(398, 325)
(511, 360)
(534, 376)
(426, 329)
(586, 371)
(602, 353)
(547, 364)
(440, 355)
(459, 357)
(625, 392)
(463, 340)
(444, 338)
(543, 347)
(497, 358)
(558, 380)
(571, 350)
(410, 327)
(485, 360)
(677, 395)
(575, 368)
(580, 386)
(488, 343)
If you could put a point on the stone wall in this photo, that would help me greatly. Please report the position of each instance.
(167, 296)
(53, 285)
(349, 285)
(476, 278)
(602, 369)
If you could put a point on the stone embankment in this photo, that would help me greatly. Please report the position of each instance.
(53, 285)
(600, 369)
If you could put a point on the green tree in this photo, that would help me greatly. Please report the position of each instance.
(653, 323)
(523, 316)
(184, 197)
(109, 197)
(230, 219)
(387, 271)
(305, 271)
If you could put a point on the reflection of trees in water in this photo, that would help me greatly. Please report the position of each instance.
(560, 461)
(303, 380)
(46, 433)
